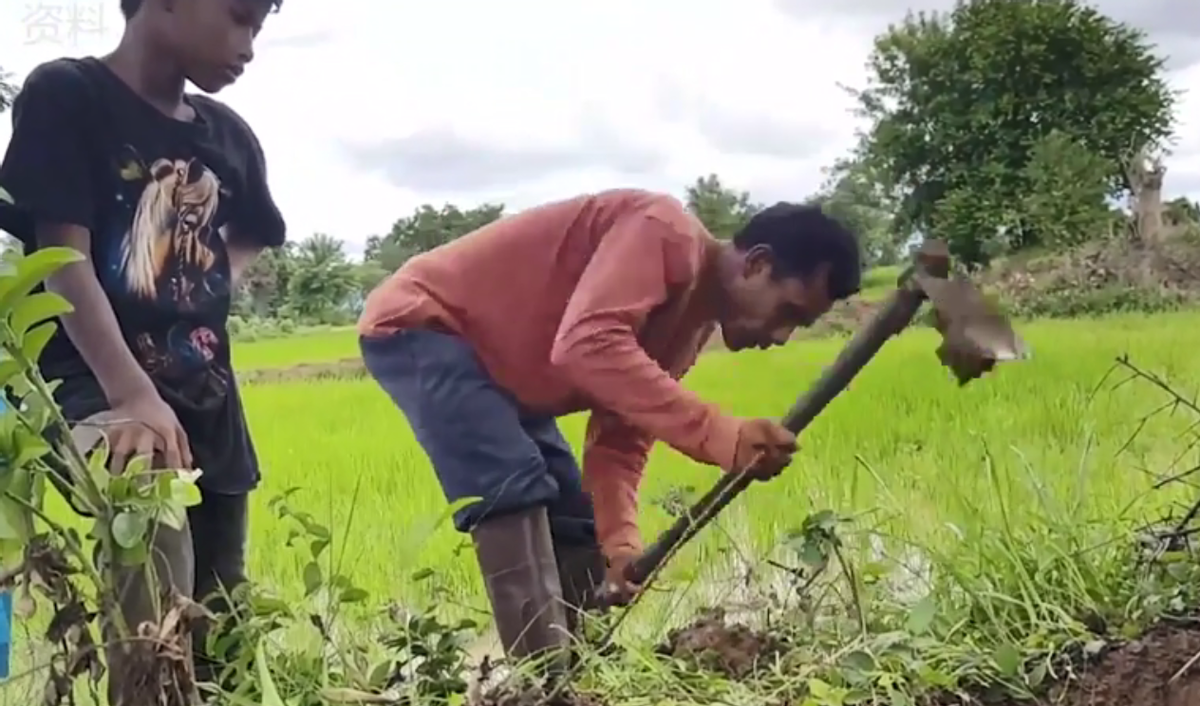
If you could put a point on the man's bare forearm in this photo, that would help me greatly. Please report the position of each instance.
(92, 326)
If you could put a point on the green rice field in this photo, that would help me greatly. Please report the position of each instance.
(1010, 500)
(929, 461)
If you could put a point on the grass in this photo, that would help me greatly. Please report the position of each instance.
(984, 497)
(315, 347)
(904, 442)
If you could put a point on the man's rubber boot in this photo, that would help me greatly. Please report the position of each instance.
(516, 556)
(581, 570)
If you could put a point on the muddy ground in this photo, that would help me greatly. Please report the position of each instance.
(1156, 670)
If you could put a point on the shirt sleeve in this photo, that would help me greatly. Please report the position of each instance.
(614, 455)
(637, 265)
(257, 219)
(47, 168)
(614, 459)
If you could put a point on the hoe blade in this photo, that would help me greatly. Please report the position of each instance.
(976, 335)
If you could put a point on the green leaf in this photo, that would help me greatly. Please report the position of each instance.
(813, 554)
(920, 617)
(12, 521)
(172, 516)
(9, 369)
(819, 690)
(12, 553)
(266, 684)
(1008, 659)
(135, 556)
(36, 308)
(36, 339)
(129, 528)
(32, 270)
(97, 465)
(353, 595)
(313, 578)
(185, 493)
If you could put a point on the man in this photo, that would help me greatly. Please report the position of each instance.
(600, 302)
(166, 194)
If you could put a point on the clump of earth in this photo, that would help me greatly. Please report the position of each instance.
(713, 644)
(1154, 670)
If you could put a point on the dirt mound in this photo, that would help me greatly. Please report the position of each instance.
(845, 317)
(712, 644)
(1100, 277)
(1154, 670)
(345, 369)
(536, 698)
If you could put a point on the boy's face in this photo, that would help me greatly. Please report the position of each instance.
(214, 38)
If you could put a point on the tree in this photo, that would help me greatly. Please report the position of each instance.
(8, 91)
(850, 196)
(264, 287)
(722, 211)
(322, 280)
(426, 229)
(956, 103)
(1182, 211)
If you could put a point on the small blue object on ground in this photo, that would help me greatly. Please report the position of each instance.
(5, 632)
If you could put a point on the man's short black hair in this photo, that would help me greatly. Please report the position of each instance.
(129, 8)
(802, 239)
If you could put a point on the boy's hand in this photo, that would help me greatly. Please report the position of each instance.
(146, 426)
(618, 589)
(764, 448)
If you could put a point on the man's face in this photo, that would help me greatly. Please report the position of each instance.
(216, 38)
(764, 311)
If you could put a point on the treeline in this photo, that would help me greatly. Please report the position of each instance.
(316, 281)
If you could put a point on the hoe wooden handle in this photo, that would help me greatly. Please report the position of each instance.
(893, 318)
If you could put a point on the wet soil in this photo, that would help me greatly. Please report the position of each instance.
(1162, 668)
(531, 698)
(732, 650)
(1154, 670)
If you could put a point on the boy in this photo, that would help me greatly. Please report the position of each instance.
(166, 194)
(600, 302)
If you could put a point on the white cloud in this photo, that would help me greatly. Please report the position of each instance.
(624, 92)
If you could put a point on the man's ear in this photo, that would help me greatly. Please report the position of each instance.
(759, 260)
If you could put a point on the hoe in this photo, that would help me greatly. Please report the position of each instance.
(975, 336)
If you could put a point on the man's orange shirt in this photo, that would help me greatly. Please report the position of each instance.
(602, 303)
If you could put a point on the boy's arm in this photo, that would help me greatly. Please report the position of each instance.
(614, 457)
(48, 172)
(632, 272)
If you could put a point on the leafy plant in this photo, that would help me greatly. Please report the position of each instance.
(39, 554)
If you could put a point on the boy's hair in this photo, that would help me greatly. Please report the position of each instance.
(129, 8)
(802, 239)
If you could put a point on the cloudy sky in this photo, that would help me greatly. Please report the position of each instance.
(367, 109)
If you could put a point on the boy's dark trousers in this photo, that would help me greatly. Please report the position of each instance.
(532, 526)
(204, 561)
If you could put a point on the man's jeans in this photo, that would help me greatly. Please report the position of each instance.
(479, 440)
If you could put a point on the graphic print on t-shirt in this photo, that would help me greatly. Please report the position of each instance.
(168, 260)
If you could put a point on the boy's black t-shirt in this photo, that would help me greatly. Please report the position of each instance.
(162, 198)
